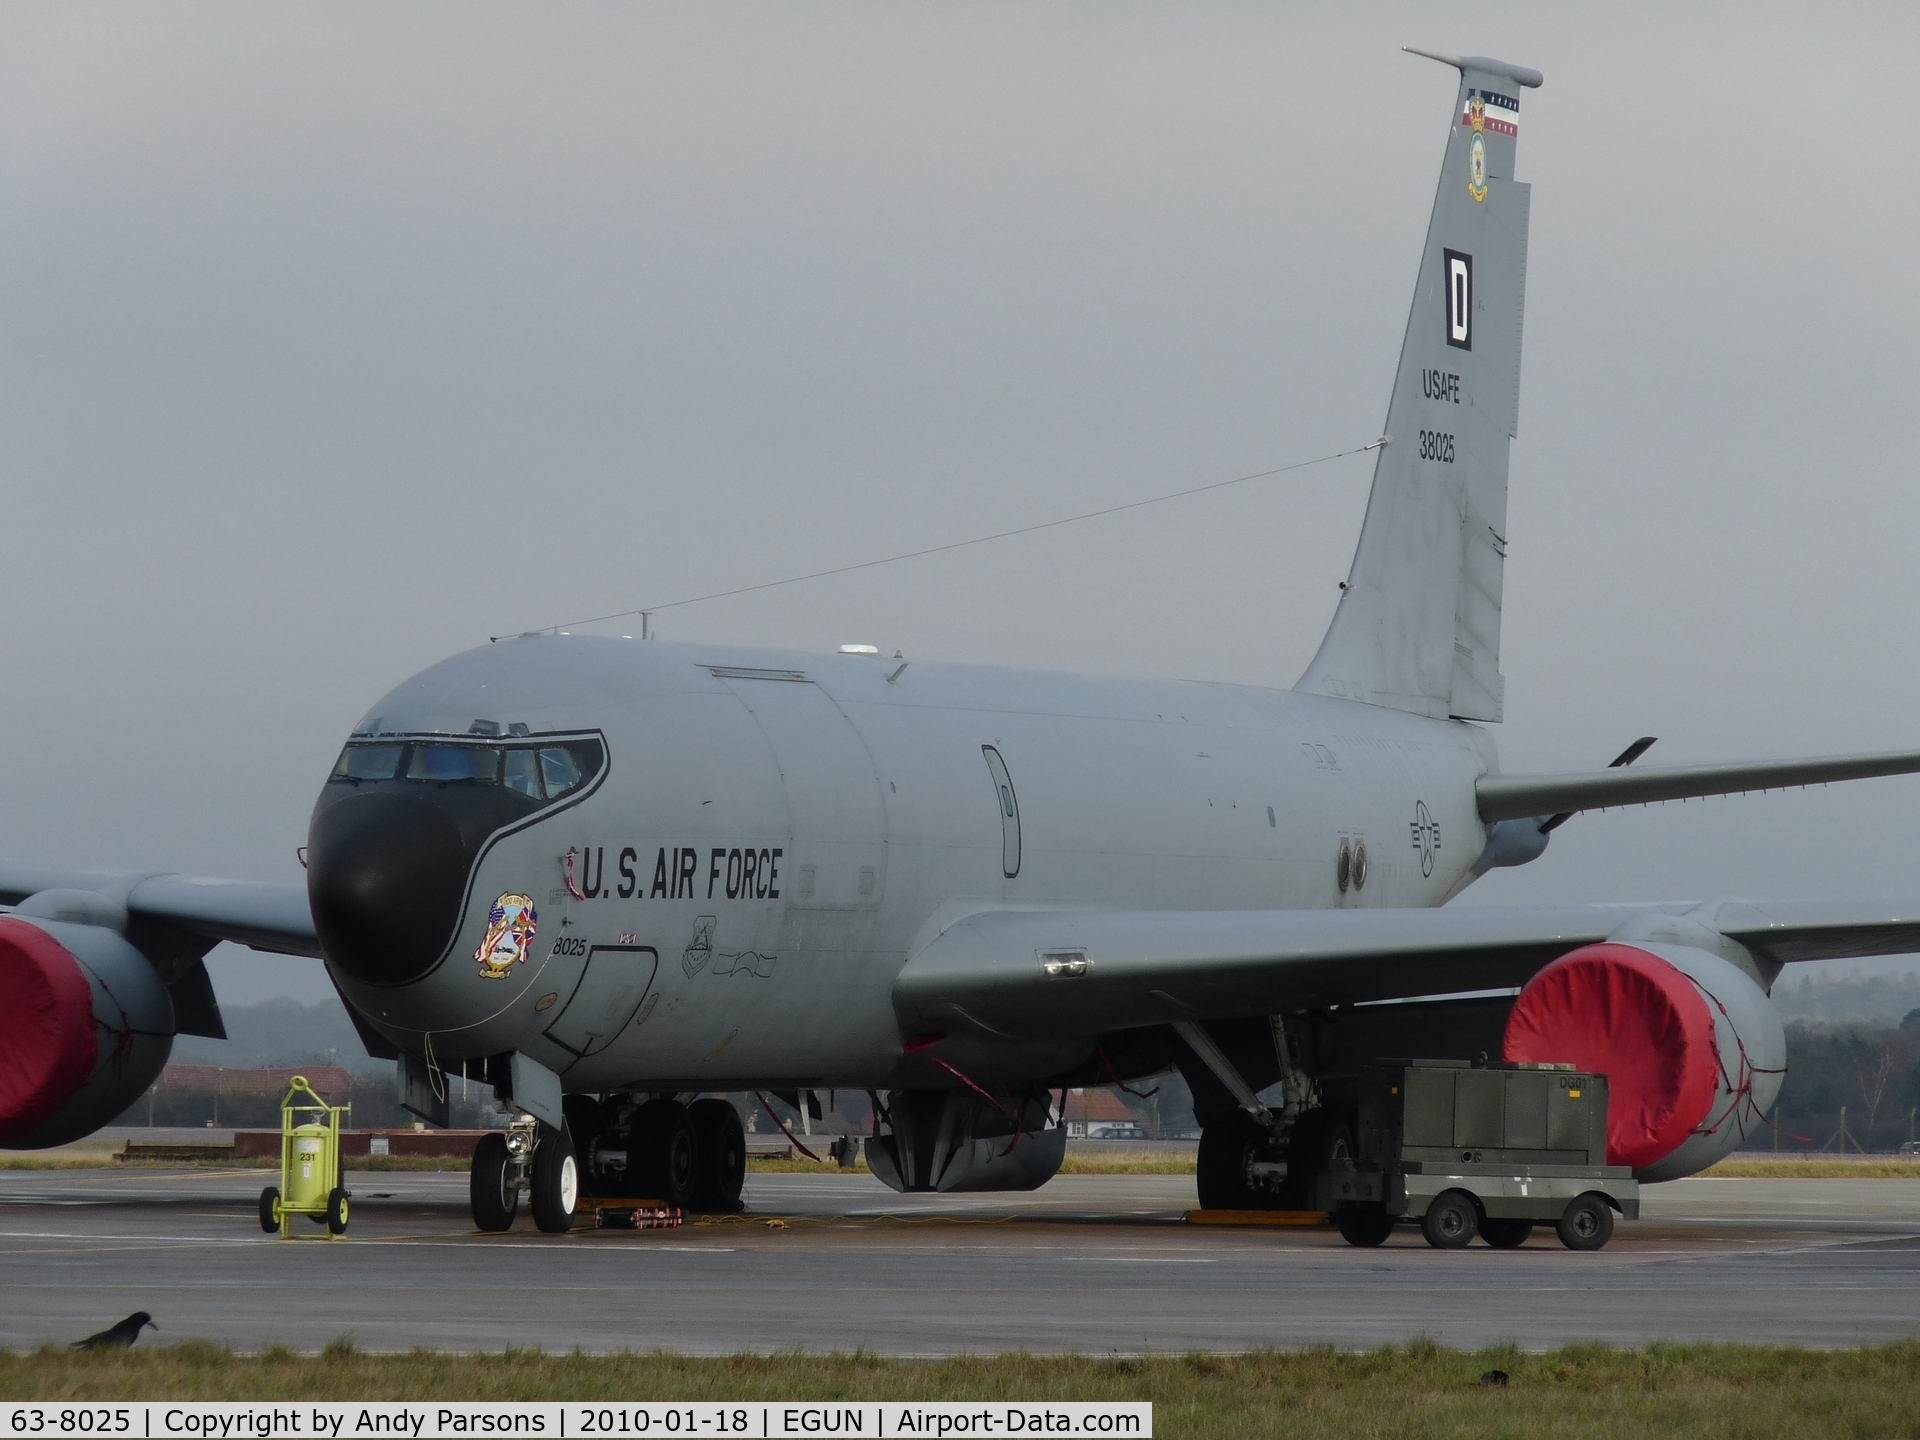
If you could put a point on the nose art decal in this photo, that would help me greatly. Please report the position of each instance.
(510, 927)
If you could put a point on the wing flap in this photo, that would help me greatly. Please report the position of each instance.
(247, 912)
(1784, 931)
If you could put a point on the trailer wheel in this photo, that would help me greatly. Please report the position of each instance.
(337, 1210)
(1586, 1224)
(1505, 1234)
(270, 1209)
(1366, 1225)
(1451, 1220)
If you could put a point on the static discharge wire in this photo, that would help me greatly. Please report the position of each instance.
(954, 544)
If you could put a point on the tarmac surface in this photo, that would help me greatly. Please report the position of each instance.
(1093, 1264)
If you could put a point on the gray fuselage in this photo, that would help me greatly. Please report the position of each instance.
(773, 834)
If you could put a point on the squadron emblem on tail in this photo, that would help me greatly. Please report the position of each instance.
(1477, 164)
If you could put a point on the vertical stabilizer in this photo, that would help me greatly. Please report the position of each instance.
(1418, 625)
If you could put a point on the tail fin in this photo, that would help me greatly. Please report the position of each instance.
(1418, 624)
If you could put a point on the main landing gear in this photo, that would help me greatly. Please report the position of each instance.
(690, 1157)
(1244, 1165)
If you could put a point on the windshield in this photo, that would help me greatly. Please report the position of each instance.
(454, 762)
(368, 762)
(539, 772)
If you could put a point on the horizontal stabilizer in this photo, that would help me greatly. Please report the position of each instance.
(1513, 797)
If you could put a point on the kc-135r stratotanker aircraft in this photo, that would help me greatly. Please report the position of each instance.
(610, 877)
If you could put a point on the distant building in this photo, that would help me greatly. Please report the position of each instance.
(1095, 1107)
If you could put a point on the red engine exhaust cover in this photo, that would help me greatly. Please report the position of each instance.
(1629, 1015)
(48, 1043)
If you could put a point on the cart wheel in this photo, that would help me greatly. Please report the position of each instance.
(556, 1180)
(337, 1211)
(1364, 1224)
(1450, 1220)
(495, 1199)
(270, 1209)
(1505, 1234)
(1586, 1224)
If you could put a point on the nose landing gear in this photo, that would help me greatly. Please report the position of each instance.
(530, 1159)
(683, 1157)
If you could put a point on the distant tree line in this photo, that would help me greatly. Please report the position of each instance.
(1870, 1069)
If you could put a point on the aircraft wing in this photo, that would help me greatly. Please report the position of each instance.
(1037, 973)
(248, 912)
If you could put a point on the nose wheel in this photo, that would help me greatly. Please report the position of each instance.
(495, 1184)
(504, 1169)
(554, 1184)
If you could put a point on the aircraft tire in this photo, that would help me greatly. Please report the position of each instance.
(555, 1181)
(586, 1123)
(1586, 1224)
(722, 1155)
(1364, 1225)
(1320, 1140)
(495, 1202)
(1451, 1220)
(663, 1154)
(1505, 1234)
(1226, 1143)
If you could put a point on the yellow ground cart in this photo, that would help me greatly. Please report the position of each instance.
(311, 1180)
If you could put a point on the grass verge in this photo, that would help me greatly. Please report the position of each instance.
(1589, 1391)
(1814, 1167)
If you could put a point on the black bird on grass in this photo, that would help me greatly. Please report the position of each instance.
(121, 1336)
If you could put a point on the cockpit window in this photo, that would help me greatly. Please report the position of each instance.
(539, 772)
(368, 762)
(559, 770)
(477, 763)
(523, 773)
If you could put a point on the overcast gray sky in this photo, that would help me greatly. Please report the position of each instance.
(337, 338)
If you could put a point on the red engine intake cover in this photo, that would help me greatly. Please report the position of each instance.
(48, 1044)
(1629, 1015)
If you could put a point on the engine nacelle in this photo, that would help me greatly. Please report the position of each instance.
(85, 1027)
(1692, 1049)
(947, 1140)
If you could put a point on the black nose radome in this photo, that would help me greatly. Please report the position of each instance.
(386, 871)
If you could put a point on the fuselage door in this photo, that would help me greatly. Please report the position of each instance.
(836, 850)
(1009, 807)
(612, 984)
